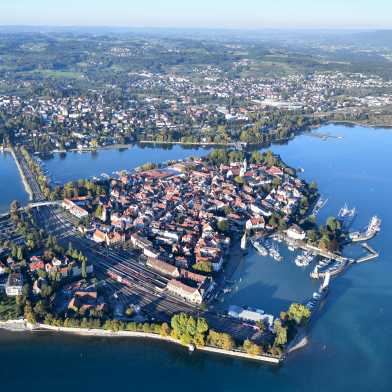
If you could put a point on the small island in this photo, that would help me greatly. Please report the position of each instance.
(148, 252)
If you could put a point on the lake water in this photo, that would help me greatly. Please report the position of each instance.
(11, 186)
(350, 344)
(75, 165)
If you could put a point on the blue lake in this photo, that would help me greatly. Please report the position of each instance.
(75, 165)
(350, 344)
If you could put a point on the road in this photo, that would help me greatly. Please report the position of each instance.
(30, 178)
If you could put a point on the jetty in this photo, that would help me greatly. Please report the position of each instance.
(373, 254)
(372, 229)
(317, 274)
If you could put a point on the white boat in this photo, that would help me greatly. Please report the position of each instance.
(274, 253)
(304, 259)
(324, 263)
(374, 225)
(346, 212)
(260, 248)
(347, 215)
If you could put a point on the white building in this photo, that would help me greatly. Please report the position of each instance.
(296, 233)
(14, 284)
(188, 293)
(74, 209)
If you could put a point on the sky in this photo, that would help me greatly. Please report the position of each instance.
(238, 14)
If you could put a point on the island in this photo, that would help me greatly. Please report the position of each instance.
(148, 252)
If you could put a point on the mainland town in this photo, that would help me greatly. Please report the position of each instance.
(218, 111)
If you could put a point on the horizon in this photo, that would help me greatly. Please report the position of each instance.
(218, 14)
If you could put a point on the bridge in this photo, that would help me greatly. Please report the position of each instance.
(44, 203)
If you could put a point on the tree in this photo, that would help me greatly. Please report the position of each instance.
(280, 333)
(188, 330)
(202, 326)
(256, 157)
(239, 180)
(19, 253)
(29, 314)
(298, 312)
(325, 242)
(260, 324)
(99, 211)
(165, 329)
(333, 224)
(252, 348)
(203, 266)
(220, 340)
(313, 186)
(223, 225)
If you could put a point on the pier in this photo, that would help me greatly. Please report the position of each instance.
(317, 251)
(322, 275)
(367, 234)
(373, 254)
(344, 262)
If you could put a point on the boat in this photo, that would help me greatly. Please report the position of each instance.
(304, 259)
(244, 242)
(291, 248)
(319, 205)
(316, 295)
(260, 248)
(347, 215)
(345, 211)
(274, 253)
(324, 262)
(374, 225)
(299, 261)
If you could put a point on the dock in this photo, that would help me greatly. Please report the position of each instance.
(371, 231)
(319, 252)
(322, 275)
(373, 254)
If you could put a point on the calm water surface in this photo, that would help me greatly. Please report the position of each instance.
(74, 165)
(351, 343)
(11, 186)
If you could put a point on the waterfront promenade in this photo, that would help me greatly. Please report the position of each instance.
(23, 325)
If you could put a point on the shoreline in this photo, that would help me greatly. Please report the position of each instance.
(359, 124)
(24, 326)
(209, 145)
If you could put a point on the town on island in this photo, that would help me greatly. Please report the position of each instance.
(150, 252)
